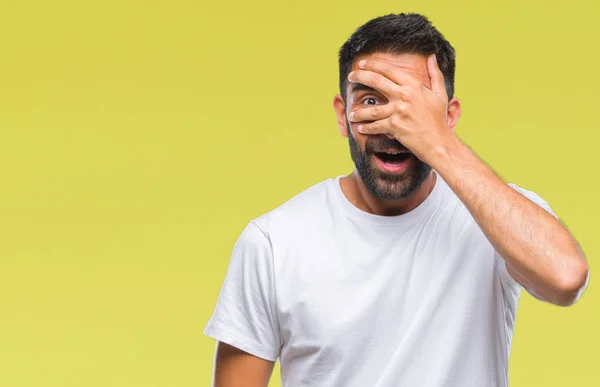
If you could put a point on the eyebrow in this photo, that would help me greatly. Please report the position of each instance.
(360, 87)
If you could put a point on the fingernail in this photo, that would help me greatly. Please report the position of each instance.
(350, 75)
(360, 128)
(362, 63)
(351, 114)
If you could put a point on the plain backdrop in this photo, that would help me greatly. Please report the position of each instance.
(137, 139)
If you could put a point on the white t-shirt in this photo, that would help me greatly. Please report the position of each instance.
(344, 298)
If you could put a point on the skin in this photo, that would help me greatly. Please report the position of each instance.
(413, 110)
(353, 185)
(540, 253)
(236, 368)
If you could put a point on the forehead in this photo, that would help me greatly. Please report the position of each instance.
(413, 64)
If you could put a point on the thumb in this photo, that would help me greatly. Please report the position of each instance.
(435, 76)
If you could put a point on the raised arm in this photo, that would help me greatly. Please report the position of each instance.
(540, 253)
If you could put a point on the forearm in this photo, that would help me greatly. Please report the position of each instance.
(531, 241)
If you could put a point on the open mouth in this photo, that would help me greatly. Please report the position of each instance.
(393, 158)
(393, 162)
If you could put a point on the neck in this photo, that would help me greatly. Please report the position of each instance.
(357, 193)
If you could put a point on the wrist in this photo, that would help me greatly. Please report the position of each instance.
(446, 153)
(459, 166)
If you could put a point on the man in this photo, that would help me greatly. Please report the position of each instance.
(407, 272)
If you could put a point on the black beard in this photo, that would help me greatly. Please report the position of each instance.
(381, 185)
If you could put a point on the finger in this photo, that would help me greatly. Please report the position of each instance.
(390, 71)
(376, 127)
(375, 81)
(371, 113)
(436, 77)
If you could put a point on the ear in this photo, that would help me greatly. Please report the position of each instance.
(340, 111)
(454, 112)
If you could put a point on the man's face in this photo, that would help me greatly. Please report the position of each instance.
(381, 183)
(384, 165)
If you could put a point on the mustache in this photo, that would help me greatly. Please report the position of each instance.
(381, 144)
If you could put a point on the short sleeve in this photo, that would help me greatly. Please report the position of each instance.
(511, 286)
(245, 314)
(534, 198)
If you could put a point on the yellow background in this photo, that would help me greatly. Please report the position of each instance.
(137, 138)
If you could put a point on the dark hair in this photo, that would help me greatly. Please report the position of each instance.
(405, 33)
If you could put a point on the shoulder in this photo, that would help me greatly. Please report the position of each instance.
(523, 191)
(534, 197)
(453, 203)
(299, 211)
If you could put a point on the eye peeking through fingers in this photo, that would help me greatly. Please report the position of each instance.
(371, 101)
